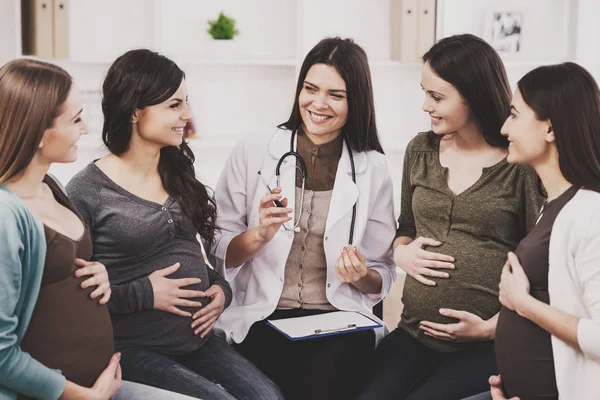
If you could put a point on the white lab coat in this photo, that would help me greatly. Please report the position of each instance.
(257, 284)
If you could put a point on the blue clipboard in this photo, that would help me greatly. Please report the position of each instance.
(311, 327)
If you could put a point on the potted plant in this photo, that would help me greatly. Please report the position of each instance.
(222, 28)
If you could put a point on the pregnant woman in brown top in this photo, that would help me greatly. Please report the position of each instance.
(547, 335)
(55, 330)
(463, 207)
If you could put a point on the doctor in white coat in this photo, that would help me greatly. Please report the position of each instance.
(294, 259)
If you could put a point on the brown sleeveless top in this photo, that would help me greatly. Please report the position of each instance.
(68, 331)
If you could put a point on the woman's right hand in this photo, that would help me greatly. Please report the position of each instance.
(418, 263)
(168, 294)
(270, 216)
(109, 382)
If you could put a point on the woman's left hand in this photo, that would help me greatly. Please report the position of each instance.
(99, 278)
(514, 285)
(496, 389)
(351, 265)
(469, 328)
(206, 318)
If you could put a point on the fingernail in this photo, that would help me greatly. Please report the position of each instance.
(446, 275)
(119, 356)
(77, 273)
(442, 310)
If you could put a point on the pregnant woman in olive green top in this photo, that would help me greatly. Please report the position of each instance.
(463, 208)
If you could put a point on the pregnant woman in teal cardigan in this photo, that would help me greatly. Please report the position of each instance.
(55, 331)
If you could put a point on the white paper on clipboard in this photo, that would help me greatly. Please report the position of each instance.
(332, 323)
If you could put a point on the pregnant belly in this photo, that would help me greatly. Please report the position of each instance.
(423, 302)
(70, 331)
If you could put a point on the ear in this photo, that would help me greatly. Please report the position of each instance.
(135, 117)
(550, 138)
(41, 145)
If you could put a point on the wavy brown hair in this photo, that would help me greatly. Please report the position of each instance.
(136, 80)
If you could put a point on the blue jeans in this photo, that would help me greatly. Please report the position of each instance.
(481, 396)
(137, 391)
(406, 369)
(215, 371)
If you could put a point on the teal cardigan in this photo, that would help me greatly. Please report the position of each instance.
(22, 258)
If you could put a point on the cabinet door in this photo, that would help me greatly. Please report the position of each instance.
(101, 30)
(10, 30)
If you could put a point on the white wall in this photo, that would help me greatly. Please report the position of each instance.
(246, 86)
(588, 33)
(10, 30)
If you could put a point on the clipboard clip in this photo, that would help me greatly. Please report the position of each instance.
(343, 328)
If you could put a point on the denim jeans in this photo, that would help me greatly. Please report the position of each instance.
(481, 396)
(406, 369)
(215, 371)
(137, 391)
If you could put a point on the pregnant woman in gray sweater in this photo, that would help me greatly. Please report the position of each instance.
(145, 208)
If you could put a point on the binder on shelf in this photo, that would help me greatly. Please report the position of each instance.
(404, 24)
(426, 23)
(45, 28)
(61, 28)
(38, 28)
(314, 326)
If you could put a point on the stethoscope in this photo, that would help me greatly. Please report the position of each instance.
(302, 169)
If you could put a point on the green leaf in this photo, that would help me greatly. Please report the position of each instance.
(223, 28)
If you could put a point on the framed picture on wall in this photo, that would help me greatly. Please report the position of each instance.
(504, 31)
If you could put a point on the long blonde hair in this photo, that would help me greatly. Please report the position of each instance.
(32, 95)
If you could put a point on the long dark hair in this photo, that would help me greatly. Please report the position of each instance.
(351, 62)
(136, 80)
(475, 69)
(568, 96)
(32, 96)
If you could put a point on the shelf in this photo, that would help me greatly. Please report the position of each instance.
(240, 63)
(183, 62)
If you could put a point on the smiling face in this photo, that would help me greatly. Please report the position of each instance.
(59, 142)
(323, 103)
(448, 111)
(529, 138)
(164, 124)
